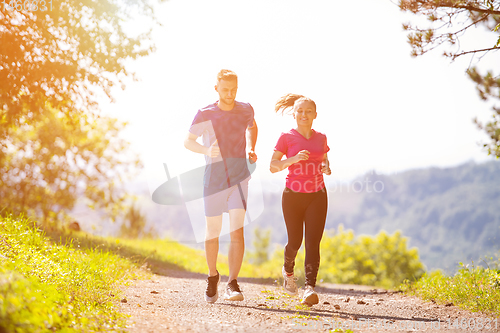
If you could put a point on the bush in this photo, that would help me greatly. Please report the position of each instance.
(48, 287)
(472, 288)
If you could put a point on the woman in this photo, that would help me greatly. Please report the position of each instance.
(304, 200)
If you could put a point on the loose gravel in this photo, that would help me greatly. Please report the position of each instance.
(174, 302)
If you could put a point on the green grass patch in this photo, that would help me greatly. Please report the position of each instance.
(155, 254)
(57, 287)
(473, 288)
(192, 260)
(164, 253)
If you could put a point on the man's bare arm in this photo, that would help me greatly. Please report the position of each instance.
(252, 132)
(191, 144)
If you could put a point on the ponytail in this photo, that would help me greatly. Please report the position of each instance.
(287, 101)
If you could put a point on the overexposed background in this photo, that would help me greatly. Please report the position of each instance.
(380, 108)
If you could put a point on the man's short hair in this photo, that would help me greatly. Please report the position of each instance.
(228, 75)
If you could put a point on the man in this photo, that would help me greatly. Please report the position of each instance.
(224, 126)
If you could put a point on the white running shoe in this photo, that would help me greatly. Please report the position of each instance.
(310, 296)
(233, 292)
(289, 283)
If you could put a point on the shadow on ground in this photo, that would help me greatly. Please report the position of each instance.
(328, 314)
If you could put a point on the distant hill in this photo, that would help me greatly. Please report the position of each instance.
(450, 214)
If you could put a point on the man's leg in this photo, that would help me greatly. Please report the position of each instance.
(235, 256)
(237, 245)
(214, 226)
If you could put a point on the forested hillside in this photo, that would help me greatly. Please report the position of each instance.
(450, 214)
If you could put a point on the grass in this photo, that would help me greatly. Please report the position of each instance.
(167, 252)
(160, 252)
(473, 288)
(45, 286)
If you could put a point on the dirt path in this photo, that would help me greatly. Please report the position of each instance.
(173, 302)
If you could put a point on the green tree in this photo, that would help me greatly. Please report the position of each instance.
(381, 260)
(261, 243)
(48, 164)
(134, 224)
(450, 22)
(66, 54)
(55, 147)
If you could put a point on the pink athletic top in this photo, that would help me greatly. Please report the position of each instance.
(304, 176)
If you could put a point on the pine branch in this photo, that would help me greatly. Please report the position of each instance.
(452, 4)
(474, 51)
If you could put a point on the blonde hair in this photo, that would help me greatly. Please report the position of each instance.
(288, 101)
(226, 74)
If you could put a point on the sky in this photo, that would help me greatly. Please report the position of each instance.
(381, 109)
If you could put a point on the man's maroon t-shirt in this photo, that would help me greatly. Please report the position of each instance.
(229, 129)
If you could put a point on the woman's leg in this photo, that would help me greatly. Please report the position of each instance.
(293, 213)
(315, 219)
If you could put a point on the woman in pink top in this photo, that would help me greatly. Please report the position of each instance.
(304, 200)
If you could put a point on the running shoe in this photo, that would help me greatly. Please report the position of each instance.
(289, 283)
(233, 292)
(212, 294)
(310, 296)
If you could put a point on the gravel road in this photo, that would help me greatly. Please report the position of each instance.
(173, 302)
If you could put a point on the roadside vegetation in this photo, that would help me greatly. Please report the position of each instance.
(382, 260)
(473, 288)
(46, 286)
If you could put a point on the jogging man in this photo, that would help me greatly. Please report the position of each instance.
(224, 127)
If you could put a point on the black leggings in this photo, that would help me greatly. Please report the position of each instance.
(309, 209)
